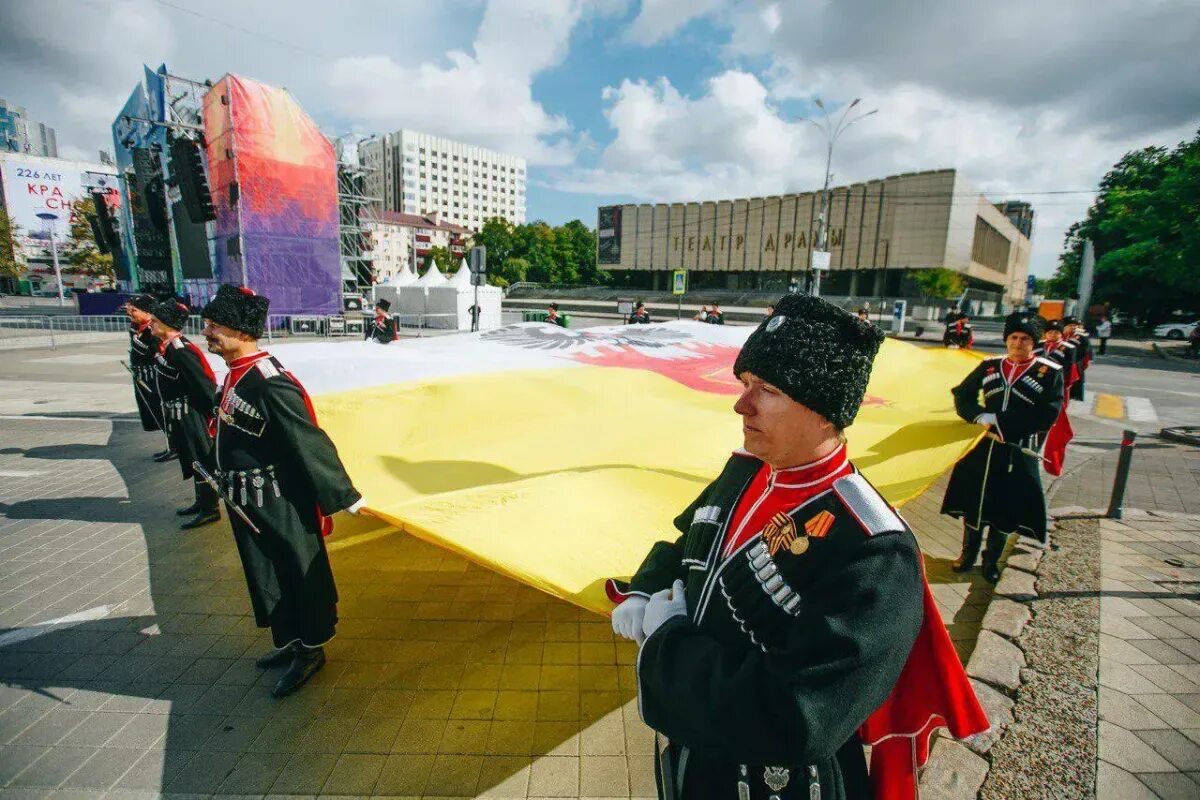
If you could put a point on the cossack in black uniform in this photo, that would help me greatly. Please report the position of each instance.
(273, 461)
(186, 387)
(143, 346)
(382, 328)
(998, 483)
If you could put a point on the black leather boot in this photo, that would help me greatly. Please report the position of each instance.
(306, 662)
(277, 657)
(165, 456)
(996, 541)
(972, 538)
(205, 508)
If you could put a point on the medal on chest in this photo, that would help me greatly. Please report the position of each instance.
(781, 533)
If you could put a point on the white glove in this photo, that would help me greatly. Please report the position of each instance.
(986, 419)
(662, 606)
(627, 618)
(357, 508)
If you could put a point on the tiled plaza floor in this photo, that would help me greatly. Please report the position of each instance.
(127, 666)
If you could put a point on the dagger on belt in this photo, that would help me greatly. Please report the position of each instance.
(1023, 450)
(211, 481)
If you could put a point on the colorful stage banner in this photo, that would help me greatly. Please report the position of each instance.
(273, 178)
(558, 456)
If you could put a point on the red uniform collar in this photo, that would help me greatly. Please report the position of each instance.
(162, 346)
(812, 472)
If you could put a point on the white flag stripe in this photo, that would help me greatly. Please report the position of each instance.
(1140, 409)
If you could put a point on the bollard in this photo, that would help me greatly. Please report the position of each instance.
(1116, 504)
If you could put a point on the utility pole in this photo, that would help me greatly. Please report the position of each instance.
(832, 130)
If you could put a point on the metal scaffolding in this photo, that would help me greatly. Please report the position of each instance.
(355, 210)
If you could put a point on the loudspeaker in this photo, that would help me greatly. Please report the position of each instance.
(98, 234)
(103, 227)
(187, 168)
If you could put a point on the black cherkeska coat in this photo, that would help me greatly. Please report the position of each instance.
(999, 483)
(1083, 357)
(143, 346)
(759, 691)
(382, 331)
(276, 464)
(187, 389)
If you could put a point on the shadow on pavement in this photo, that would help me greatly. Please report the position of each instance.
(444, 678)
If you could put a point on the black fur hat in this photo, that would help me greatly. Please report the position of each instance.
(1024, 322)
(238, 308)
(1055, 325)
(142, 302)
(818, 354)
(171, 313)
(386, 305)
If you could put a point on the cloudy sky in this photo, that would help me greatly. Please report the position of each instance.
(651, 100)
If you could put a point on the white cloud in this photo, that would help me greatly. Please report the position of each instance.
(731, 141)
(1024, 97)
(658, 19)
(485, 96)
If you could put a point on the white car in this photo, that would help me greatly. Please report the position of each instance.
(1175, 330)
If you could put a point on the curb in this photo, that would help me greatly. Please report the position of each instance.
(1167, 355)
(957, 769)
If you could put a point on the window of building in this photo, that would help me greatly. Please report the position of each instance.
(990, 248)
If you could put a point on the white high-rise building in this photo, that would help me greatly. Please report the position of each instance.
(416, 173)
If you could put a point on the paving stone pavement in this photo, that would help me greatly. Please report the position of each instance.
(126, 646)
(1149, 657)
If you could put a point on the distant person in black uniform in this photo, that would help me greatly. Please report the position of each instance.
(275, 463)
(382, 328)
(553, 317)
(783, 617)
(476, 312)
(187, 387)
(998, 484)
(769, 312)
(864, 314)
(1075, 334)
(640, 315)
(715, 317)
(143, 345)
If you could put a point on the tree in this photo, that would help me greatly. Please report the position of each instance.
(577, 244)
(1145, 229)
(9, 266)
(81, 251)
(940, 282)
(443, 257)
(539, 252)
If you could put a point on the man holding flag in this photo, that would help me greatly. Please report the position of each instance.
(282, 476)
(998, 484)
(790, 623)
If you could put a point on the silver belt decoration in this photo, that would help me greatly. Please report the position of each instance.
(743, 785)
(238, 483)
(776, 779)
(767, 574)
(176, 409)
(814, 783)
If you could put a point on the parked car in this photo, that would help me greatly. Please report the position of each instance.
(1177, 331)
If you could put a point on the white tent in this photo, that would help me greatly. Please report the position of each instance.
(404, 277)
(432, 277)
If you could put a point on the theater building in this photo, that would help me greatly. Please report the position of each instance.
(880, 233)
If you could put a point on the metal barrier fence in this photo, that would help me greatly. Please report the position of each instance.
(18, 332)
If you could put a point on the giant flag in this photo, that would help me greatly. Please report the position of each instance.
(559, 457)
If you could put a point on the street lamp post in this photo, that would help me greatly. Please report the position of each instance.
(50, 218)
(832, 131)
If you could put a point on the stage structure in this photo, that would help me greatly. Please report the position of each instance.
(165, 246)
(273, 176)
(355, 209)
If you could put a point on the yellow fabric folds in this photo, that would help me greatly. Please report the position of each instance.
(563, 476)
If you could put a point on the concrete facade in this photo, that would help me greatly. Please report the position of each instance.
(395, 237)
(878, 232)
(416, 173)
